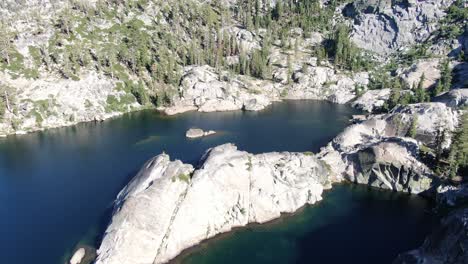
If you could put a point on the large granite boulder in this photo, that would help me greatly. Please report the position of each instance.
(432, 120)
(324, 83)
(197, 133)
(372, 100)
(204, 89)
(170, 206)
(378, 153)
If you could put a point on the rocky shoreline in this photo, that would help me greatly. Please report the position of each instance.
(374, 152)
(230, 189)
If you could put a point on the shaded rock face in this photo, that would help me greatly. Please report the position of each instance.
(449, 196)
(384, 27)
(432, 118)
(377, 153)
(457, 98)
(389, 163)
(393, 165)
(447, 244)
(170, 206)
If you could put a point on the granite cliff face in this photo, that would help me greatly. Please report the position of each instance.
(170, 206)
(378, 153)
(384, 27)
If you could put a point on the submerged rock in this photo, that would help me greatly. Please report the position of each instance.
(170, 206)
(78, 256)
(196, 133)
(450, 196)
(447, 244)
(83, 255)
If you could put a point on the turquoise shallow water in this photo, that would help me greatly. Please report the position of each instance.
(57, 187)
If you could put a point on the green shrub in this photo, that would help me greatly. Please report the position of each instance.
(184, 178)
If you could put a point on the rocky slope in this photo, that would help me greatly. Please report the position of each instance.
(53, 102)
(170, 206)
(67, 61)
(205, 90)
(386, 26)
(378, 153)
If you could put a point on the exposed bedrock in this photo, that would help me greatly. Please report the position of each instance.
(170, 206)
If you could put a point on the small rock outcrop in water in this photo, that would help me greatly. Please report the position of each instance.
(197, 132)
(83, 255)
(170, 206)
(447, 244)
(78, 256)
(378, 153)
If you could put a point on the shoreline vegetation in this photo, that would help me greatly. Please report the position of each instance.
(405, 62)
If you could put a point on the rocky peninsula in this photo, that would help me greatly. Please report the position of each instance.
(170, 206)
(404, 61)
(231, 188)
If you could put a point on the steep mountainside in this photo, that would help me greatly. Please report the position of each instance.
(68, 61)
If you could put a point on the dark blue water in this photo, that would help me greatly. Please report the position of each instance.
(57, 186)
(353, 224)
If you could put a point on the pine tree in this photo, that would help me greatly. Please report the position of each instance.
(65, 21)
(420, 93)
(5, 44)
(413, 127)
(278, 10)
(257, 14)
(446, 76)
(458, 155)
(290, 69)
